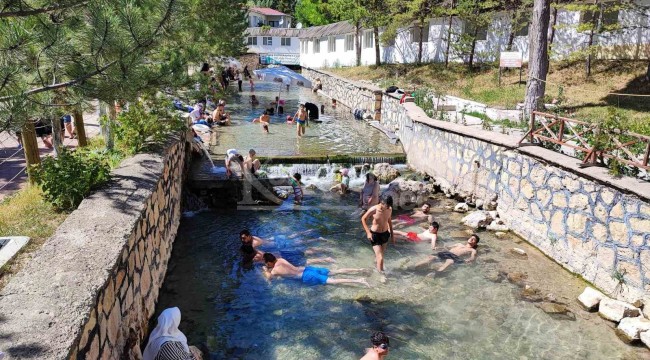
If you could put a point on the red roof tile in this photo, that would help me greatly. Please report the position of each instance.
(266, 11)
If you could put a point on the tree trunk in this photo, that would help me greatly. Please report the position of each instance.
(358, 41)
(420, 41)
(538, 57)
(451, 19)
(472, 50)
(553, 22)
(511, 35)
(107, 128)
(57, 135)
(595, 29)
(79, 128)
(377, 52)
(647, 73)
(588, 60)
(30, 146)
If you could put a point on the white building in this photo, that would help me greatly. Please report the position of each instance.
(333, 45)
(258, 17)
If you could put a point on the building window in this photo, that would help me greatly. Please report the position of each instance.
(416, 31)
(368, 39)
(273, 23)
(285, 41)
(349, 42)
(267, 40)
(331, 44)
(252, 40)
(316, 46)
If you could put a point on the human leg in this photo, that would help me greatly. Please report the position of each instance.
(327, 260)
(360, 281)
(347, 271)
(446, 264)
(379, 257)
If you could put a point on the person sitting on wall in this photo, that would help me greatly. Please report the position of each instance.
(318, 85)
(167, 342)
(233, 155)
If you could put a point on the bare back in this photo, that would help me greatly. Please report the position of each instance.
(283, 268)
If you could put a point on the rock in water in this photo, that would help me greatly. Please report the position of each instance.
(321, 172)
(615, 310)
(385, 172)
(590, 298)
(519, 252)
(461, 208)
(556, 311)
(477, 219)
(500, 234)
(630, 328)
(497, 225)
(517, 278)
(408, 193)
(531, 294)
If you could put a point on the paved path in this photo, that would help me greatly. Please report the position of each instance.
(12, 158)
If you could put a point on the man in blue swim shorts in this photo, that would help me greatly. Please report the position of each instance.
(309, 275)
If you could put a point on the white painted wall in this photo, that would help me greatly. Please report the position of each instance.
(567, 40)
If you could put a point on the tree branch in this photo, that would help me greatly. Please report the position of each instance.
(43, 10)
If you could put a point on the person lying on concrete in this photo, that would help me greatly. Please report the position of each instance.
(455, 254)
(297, 257)
(379, 349)
(431, 234)
(310, 275)
(421, 214)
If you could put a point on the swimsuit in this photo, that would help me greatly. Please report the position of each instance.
(413, 237)
(406, 219)
(301, 122)
(446, 255)
(379, 239)
(315, 275)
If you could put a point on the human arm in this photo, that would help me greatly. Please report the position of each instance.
(374, 198)
(257, 241)
(268, 274)
(390, 227)
(434, 239)
(472, 257)
(365, 216)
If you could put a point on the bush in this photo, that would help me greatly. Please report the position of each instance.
(145, 124)
(67, 179)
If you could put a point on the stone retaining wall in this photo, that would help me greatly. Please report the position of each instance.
(89, 291)
(595, 225)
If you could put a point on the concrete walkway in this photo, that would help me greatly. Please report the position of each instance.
(13, 175)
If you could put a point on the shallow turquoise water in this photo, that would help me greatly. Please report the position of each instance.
(339, 133)
(237, 314)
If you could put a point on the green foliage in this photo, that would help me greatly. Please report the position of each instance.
(67, 179)
(313, 13)
(424, 101)
(146, 124)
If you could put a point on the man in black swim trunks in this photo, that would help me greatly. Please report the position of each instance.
(454, 254)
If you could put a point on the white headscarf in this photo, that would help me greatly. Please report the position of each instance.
(166, 330)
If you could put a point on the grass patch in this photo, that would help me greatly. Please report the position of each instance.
(584, 99)
(26, 213)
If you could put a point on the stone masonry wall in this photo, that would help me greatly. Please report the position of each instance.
(591, 223)
(89, 291)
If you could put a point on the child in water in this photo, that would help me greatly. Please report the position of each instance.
(297, 189)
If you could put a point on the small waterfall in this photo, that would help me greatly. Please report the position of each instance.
(320, 175)
(207, 153)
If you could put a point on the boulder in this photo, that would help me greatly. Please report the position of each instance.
(461, 208)
(321, 172)
(500, 235)
(385, 172)
(630, 328)
(519, 252)
(615, 310)
(477, 219)
(449, 208)
(645, 338)
(409, 193)
(556, 311)
(491, 206)
(517, 278)
(590, 298)
(497, 225)
(479, 204)
(531, 294)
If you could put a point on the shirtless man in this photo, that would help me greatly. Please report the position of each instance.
(381, 229)
(219, 114)
(252, 163)
(424, 213)
(431, 234)
(301, 120)
(248, 239)
(379, 349)
(309, 275)
(454, 254)
(265, 120)
(297, 257)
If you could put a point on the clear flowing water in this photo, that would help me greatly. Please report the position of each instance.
(462, 314)
(339, 133)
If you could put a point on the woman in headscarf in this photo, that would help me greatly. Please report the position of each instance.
(370, 192)
(166, 342)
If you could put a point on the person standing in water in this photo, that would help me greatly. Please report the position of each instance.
(381, 230)
(370, 192)
(301, 120)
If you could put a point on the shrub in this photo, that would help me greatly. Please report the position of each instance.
(145, 124)
(67, 179)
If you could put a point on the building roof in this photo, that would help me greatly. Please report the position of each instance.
(278, 32)
(267, 11)
(339, 28)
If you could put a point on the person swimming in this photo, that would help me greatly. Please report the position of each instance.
(310, 275)
(454, 254)
(431, 234)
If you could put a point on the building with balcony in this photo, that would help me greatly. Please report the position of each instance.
(270, 37)
(258, 17)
